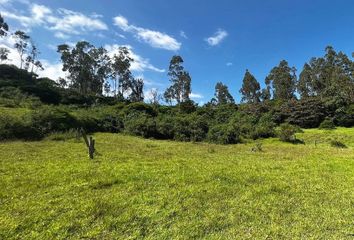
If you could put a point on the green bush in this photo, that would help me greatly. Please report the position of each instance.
(265, 127)
(287, 132)
(49, 119)
(181, 128)
(344, 116)
(198, 128)
(224, 134)
(140, 107)
(165, 127)
(14, 97)
(327, 124)
(140, 124)
(13, 127)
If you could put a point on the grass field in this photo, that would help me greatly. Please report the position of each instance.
(138, 188)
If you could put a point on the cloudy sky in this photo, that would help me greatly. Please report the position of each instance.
(218, 40)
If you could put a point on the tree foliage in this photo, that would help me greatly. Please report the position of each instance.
(222, 94)
(4, 28)
(180, 79)
(87, 65)
(282, 80)
(250, 89)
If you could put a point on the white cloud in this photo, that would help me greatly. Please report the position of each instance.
(62, 21)
(139, 64)
(153, 38)
(183, 34)
(4, 2)
(229, 64)
(196, 95)
(40, 12)
(51, 70)
(61, 35)
(217, 38)
(75, 23)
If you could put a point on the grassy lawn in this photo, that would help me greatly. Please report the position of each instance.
(137, 188)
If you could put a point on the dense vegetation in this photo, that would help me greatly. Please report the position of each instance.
(100, 94)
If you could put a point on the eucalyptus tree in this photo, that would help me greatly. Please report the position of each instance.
(121, 73)
(136, 90)
(21, 44)
(4, 28)
(32, 59)
(250, 89)
(88, 66)
(282, 80)
(180, 79)
(222, 94)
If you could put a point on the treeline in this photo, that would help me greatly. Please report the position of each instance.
(100, 93)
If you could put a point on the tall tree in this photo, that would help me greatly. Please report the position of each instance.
(250, 89)
(121, 74)
(222, 94)
(180, 79)
(282, 80)
(88, 66)
(32, 58)
(4, 52)
(137, 90)
(330, 76)
(21, 44)
(4, 28)
(155, 96)
(305, 85)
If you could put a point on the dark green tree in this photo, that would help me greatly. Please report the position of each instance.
(330, 76)
(250, 89)
(305, 85)
(32, 58)
(121, 74)
(88, 66)
(4, 28)
(137, 90)
(180, 79)
(4, 52)
(21, 44)
(282, 80)
(222, 94)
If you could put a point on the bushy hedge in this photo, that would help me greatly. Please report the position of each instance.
(224, 134)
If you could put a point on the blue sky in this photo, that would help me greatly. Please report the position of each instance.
(218, 40)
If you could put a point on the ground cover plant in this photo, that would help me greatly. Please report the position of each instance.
(139, 188)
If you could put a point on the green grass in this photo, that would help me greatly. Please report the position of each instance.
(137, 188)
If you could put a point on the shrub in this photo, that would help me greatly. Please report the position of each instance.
(140, 124)
(140, 107)
(224, 134)
(344, 116)
(49, 119)
(306, 112)
(12, 127)
(337, 144)
(165, 127)
(181, 128)
(327, 124)
(287, 132)
(14, 97)
(187, 107)
(265, 127)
